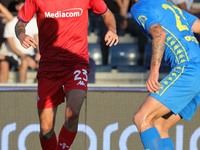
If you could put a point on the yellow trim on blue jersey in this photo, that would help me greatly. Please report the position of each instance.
(177, 41)
(170, 78)
(172, 51)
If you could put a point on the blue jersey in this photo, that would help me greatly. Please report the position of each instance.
(180, 45)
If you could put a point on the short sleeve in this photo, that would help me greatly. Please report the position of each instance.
(98, 6)
(145, 19)
(190, 18)
(28, 10)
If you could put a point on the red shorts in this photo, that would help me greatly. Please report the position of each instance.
(52, 86)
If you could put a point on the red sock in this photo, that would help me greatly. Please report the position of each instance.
(49, 144)
(66, 139)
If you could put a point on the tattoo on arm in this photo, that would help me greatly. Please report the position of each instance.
(158, 44)
(109, 21)
(20, 28)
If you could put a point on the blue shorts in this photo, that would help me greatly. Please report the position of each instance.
(181, 90)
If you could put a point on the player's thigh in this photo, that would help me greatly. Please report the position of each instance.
(152, 109)
(75, 86)
(50, 90)
(179, 87)
(75, 98)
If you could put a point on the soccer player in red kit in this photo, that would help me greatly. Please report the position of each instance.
(64, 64)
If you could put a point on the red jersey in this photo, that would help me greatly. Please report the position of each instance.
(62, 26)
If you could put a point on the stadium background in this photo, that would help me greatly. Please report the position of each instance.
(106, 115)
(105, 120)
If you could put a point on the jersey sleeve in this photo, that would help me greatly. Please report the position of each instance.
(144, 17)
(190, 18)
(28, 10)
(98, 6)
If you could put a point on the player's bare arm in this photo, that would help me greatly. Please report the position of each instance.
(25, 40)
(158, 44)
(111, 36)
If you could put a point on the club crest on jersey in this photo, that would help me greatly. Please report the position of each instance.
(68, 13)
(142, 19)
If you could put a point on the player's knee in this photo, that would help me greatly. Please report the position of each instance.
(137, 119)
(46, 130)
(140, 120)
(71, 119)
(71, 114)
(46, 135)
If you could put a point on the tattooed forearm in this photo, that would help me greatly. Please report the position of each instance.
(158, 44)
(20, 28)
(109, 21)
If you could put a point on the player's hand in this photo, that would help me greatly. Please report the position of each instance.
(27, 41)
(152, 82)
(111, 38)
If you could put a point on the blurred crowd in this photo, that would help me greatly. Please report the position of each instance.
(14, 57)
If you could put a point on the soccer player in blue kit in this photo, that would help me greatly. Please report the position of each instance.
(178, 94)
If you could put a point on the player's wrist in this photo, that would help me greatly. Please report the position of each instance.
(114, 31)
(20, 35)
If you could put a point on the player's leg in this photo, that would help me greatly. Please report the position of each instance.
(145, 119)
(148, 113)
(75, 100)
(50, 95)
(75, 86)
(47, 123)
(171, 97)
(68, 132)
(4, 71)
(164, 123)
